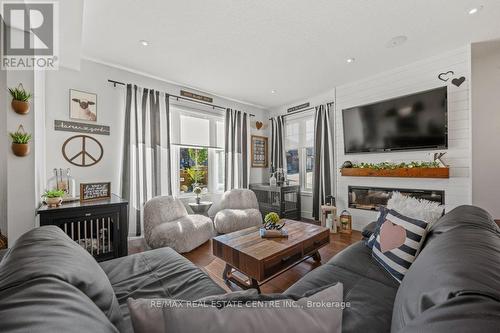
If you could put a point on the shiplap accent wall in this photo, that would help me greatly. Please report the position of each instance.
(412, 78)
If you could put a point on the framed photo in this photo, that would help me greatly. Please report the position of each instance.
(259, 151)
(82, 105)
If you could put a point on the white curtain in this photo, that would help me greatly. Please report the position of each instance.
(146, 170)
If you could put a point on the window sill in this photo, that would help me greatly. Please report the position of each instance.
(192, 195)
(306, 194)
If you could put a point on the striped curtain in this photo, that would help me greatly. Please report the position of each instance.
(324, 168)
(236, 173)
(278, 153)
(146, 170)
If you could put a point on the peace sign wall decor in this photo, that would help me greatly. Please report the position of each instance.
(82, 150)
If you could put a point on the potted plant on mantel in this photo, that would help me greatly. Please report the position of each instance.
(20, 99)
(20, 142)
(53, 198)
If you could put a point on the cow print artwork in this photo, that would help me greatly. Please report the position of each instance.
(82, 105)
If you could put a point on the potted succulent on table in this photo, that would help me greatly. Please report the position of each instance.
(197, 190)
(20, 99)
(20, 142)
(53, 198)
(273, 226)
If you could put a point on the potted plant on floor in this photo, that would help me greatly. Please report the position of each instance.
(53, 198)
(20, 99)
(20, 142)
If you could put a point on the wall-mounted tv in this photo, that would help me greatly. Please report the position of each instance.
(416, 121)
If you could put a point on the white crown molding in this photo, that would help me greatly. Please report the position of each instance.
(138, 72)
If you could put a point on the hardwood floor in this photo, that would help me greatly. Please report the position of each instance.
(213, 266)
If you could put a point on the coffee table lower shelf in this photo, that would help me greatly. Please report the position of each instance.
(233, 275)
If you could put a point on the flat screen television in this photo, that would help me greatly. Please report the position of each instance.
(416, 121)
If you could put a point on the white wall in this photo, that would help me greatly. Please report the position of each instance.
(415, 77)
(486, 125)
(4, 141)
(21, 195)
(328, 96)
(93, 77)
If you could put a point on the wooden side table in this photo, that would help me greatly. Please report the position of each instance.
(325, 211)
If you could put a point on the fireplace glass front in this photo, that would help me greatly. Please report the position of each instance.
(370, 198)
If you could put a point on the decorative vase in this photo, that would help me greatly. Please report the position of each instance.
(20, 149)
(272, 181)
(20, 107)
(54, 202)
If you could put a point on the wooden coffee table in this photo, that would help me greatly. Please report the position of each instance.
(252, 260)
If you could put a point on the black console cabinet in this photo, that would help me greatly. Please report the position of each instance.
(100, 227)
(283, 200)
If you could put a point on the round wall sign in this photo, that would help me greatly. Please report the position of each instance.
(82, 150)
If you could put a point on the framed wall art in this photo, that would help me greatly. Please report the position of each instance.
(259, 151)
(82, 105)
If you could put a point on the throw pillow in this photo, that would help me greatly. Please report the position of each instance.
(398, 243)
(419, 209)
(321, 312)
(381, 219)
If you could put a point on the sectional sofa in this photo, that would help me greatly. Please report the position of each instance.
(49, 284)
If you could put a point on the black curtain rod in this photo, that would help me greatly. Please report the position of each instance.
(303, 110)
(183, 98)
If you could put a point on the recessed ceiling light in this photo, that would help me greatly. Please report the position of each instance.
(396, 41)
(273, 91)
(474, 10)
(350, 60)
(144, 42)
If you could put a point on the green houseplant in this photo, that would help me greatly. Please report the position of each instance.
(20, 99)
(20, 142)
(53, 198)
(271, 221)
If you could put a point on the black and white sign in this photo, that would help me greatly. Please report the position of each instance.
(71, 126)
(298, 107)
(95, 191)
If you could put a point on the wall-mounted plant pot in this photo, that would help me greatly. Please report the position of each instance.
(21, 149)
(20, 107)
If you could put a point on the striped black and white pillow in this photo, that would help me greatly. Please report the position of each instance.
(380, 219)
(398, 243)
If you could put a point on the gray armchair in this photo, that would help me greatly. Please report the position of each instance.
(239, 210)
(167, 223)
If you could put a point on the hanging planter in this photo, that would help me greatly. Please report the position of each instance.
(20, 142)
(20, 99)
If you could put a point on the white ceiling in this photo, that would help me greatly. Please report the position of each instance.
(244, 49)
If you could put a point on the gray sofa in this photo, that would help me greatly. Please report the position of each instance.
(49, 284)
(453, 285)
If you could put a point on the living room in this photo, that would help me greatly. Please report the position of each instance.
(250, 166)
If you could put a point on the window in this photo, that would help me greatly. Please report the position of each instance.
(197, 150)
(299, 145)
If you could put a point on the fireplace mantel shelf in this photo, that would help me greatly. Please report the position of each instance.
(398, 172)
